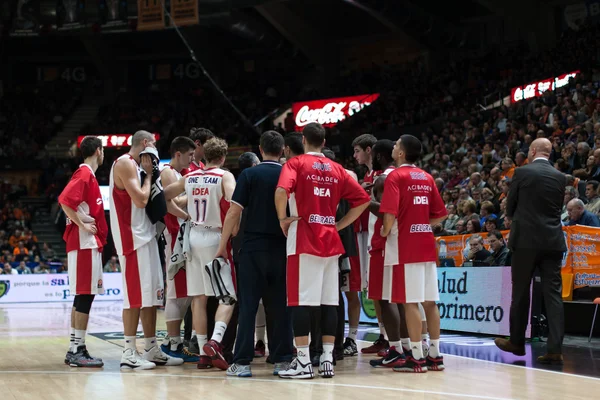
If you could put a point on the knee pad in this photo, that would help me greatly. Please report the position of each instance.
(83, 303)
(329, 315)
(175, 309)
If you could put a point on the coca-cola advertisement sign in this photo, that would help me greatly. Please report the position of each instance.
(537, 89)
(115, 140)
(329, 112)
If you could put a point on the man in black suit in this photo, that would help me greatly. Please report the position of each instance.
(536, 239)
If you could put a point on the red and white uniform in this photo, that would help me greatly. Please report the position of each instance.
(135, 242)
(84, 249)
(207, 208)
(361, 228)
(176, 288)
(380, 276)
(315, 186)
(410, 194)
(194, 166)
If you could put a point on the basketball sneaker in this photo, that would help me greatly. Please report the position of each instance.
(193, 347)
(378, 345)
(68, 357)
(204, 362)
(181, 352)
(214, 350)
(435, 363)
(242, 371)
(259, 349)
(297, 370)
(412, 365)
(156, 356)
(392, 359)
(383, 352)
(350, 348)
(326, 368)
(83, 359)
(131, 359)
(425, 346)
(280, 366)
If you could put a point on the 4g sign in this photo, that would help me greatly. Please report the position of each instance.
(116, 140)
(329, 112)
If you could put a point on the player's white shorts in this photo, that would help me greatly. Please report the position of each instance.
(177, 287)
(312, 280)
(362, 239)
(204, 244)
(85, 272)
(142, 277)
(414, 283)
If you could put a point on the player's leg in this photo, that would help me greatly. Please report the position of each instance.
(424, 333)
(199, 324)
(435, 361)
(375, 290)
(353, 300)
(329, 303)
(404, 336)
(174, 312)
(72, 335)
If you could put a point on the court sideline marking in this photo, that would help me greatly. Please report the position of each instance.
(249, 380)
(512, 365)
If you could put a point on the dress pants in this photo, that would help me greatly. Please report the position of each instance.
(262, 275)
(524, 263)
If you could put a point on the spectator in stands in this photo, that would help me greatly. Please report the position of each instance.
(476, 253)
(578, 215)
(487, 210)
(473, 226)
(8, 270)
(570, 194)
(43, 268)
(500, 254)
(450, 222)
(591, 192)
(492, 223)
(20, 251)
(48, 253)
(461, 227)
(112, 265)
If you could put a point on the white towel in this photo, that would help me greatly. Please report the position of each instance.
(181, 251)
(221, 280)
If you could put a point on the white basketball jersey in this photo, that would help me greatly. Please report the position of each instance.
(172, 221)
(204, 190)
(372, 217)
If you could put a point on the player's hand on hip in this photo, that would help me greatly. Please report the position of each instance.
(286, 222)
(90, 227)
(147, 164)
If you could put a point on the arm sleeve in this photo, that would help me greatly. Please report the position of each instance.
(241, 194)
(288, 177)
(437, 209)
(352, 191)
(72, 195)
(391, 196)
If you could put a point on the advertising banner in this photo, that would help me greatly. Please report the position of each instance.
(115, 140)
(536, 89)
(576, 14)
(27, 18)
(52, 288)
(584, 255)
(70, 14)
(150, 15)
(329, 112)
(184, 12)
(472, 299)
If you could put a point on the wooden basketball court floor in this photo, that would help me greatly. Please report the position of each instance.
(33, 342)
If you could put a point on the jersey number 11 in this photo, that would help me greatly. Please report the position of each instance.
(200, 203)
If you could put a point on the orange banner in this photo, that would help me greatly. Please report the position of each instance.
(184, 12)
(150, 15)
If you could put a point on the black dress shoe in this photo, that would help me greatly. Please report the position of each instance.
(509, 347)
(554, 359)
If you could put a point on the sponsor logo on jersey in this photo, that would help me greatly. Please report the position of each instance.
(200, 191)
(322, 179)
(420, 200)
(419, 188)
(322, 166)
(418, 176)
(322, 192)
(320, 219)
(420, 228)
(99, 201)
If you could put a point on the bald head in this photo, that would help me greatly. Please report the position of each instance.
(575, 209)
(139, 137)
(540, 147)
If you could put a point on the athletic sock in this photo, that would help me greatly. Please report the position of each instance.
(202, 339)
(352, 332)
(405, 343)
(175, 342)
(79, 339)
(303, 354)
(434, 348)
(130, 343)
(417, 350)
(398, 346)
(382, 330)
(72, 339)
(328, 352)
(219, 331)
(150, 342)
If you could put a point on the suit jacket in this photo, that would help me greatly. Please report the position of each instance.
(534, 203)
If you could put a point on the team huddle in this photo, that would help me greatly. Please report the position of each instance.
(309, 231)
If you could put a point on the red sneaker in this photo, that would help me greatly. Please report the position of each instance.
(383, 352)
(435, 363)
(378, 345)
(213, 349)
(259, 349)
(204, 362)
(413, 365)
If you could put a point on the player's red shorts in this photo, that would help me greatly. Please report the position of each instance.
(142, 277)
(380, 277)
(85, 272)
(355, 281)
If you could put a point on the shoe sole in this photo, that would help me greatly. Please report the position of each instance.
(217, 359)
(303, 376)
(204, 366)
(438, 368)
(140, 367)
(410, 370)
(85, 366)
(242, 375)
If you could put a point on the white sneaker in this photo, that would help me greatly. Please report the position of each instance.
(156, 355)
(297, 370)
(131, 359)
(326, 367)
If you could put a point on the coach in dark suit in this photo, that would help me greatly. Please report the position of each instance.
(534, 204)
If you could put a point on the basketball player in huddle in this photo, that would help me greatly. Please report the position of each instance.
(363, 147)
(200, 136)
(134, 237)
(182, 153)
(314, 185)
(85, 236)
(209, 192)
